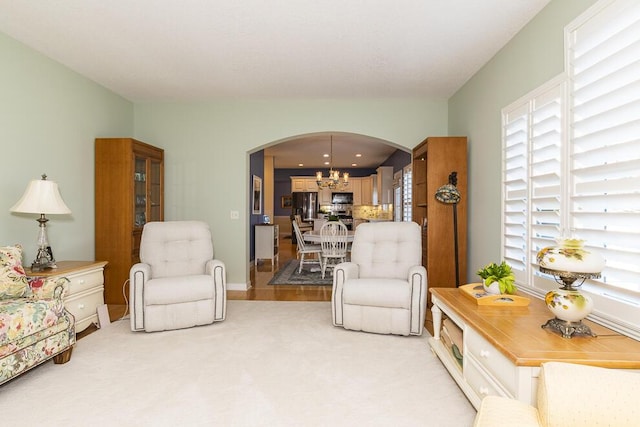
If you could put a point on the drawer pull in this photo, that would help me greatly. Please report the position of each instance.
(81, 306)
(484, 353)
(484, 391)
(81, 281)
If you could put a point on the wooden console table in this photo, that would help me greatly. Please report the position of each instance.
(503, 347)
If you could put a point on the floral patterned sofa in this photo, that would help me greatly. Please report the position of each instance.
(34, 326)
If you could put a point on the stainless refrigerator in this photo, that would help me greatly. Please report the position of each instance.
(306, 205)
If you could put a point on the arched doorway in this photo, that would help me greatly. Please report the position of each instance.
(301, 155)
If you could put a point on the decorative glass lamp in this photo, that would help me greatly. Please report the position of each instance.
(450, 195)
(42, 197)
(567, 263)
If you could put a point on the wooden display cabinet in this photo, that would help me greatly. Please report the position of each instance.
(434, 159)
(129, 184)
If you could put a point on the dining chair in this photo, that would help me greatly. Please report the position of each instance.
(304, 248)
(333, 240)
(303, 226)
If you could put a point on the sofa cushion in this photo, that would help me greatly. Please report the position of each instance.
(13, 281)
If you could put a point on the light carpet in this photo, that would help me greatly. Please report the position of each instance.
(268, 364)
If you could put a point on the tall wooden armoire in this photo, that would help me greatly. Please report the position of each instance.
(129, 192)
(434, 159)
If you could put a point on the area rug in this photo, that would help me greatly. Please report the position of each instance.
(268, 364)
(310, 275)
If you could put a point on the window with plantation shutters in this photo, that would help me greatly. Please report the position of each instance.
(572, 162)
(534, 133)
(407, 214)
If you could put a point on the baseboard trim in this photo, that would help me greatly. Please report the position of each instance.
(238, 286)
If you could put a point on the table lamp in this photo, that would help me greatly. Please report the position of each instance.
(42, 197)
(567, 263)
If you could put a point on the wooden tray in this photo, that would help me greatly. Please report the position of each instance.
(476, 292)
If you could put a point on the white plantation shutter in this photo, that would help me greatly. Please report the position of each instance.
(603, 64)
(572, 162)
(515, 189)
(548, 134)
(604, 67)
(534, 131)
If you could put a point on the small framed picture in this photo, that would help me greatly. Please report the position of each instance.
(286, 202)
(257, 195)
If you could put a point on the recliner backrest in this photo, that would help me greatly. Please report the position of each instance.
(176, 248)
(387, 249)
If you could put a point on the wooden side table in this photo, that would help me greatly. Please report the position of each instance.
(503, 347)
(86, 288)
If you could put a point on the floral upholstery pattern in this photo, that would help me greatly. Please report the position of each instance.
(13, 281)
(34, 327)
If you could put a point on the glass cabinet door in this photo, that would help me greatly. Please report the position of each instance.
(140, 192)
(155, 191)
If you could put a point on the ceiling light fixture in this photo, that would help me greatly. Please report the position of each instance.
(334, 180)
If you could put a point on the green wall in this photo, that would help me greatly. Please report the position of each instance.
(207, 147)
(49, 117)
(532, 57)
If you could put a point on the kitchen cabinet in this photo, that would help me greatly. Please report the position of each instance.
(129, 192)
(434, 159)
(367, 190)
(303, 184)
(356, 186)
(324, 195)
(346, 188)
(384, 186)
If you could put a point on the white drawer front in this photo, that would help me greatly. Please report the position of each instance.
(479, 381)
(83, 281)
(84, 306)
(491, 359)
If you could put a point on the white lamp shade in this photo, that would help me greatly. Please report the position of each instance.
(41, 197)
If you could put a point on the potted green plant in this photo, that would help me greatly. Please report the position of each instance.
(500, 274)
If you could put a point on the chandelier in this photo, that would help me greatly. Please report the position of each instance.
(334, 180)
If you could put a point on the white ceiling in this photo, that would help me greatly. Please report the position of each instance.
(190, 50)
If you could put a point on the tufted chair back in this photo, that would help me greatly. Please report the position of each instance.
(176, 248)
(387, 250)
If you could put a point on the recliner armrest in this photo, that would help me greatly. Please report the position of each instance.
(417, 278)
(341, 273)
(138, 275)
(217, 269)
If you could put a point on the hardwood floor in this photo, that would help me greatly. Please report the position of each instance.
(261, 276)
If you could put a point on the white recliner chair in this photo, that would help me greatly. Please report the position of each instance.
(178, 283)
(383, 289)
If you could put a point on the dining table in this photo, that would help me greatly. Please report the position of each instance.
(313, 236)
